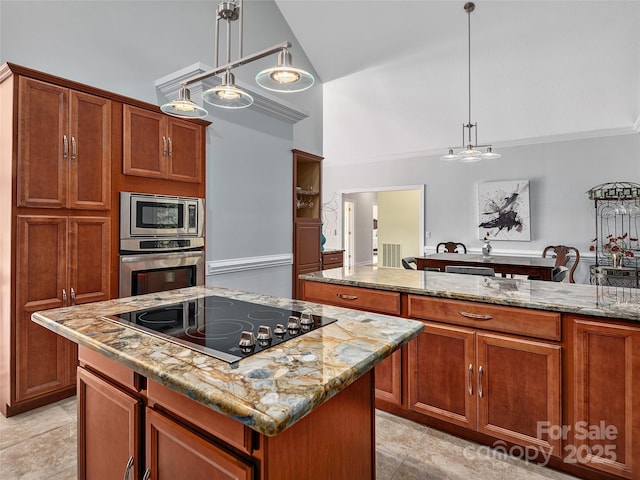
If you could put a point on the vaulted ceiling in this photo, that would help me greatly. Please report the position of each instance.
(539, 68)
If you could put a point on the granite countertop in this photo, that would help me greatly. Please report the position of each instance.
(268, 391)
(600, 301)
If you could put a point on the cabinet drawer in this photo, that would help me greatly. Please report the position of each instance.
(221, 426)
(331, 260)
(519, 321)
(110, 368)
(352, 297)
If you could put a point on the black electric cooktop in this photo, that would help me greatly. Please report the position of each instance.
(225, 328)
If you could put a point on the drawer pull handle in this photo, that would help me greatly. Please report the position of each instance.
(469, 380)
(347, 297)
(480, 381)
(476, 316)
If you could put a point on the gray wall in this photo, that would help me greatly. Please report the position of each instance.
(126, 46)
(559, 173)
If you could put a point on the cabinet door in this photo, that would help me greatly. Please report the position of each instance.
(185, 151)
(519, 390)
(89, 152)
(108, 429)
(89, 258)
(607, 397)
(146, 145)
(173, 451)
(43, 144)
(44, 360)
(388, 379)
(307, 252)
(441, 374)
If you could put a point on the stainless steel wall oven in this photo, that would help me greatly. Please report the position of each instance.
(161, 243)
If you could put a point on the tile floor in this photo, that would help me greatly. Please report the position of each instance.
(41, 444)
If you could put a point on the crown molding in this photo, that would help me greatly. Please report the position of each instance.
(169, 85)
(497, 145)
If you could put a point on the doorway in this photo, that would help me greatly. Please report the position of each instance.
(381, 225)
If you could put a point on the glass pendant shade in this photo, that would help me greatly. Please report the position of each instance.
(183, 106)
(450, 156)
(283, 77)
(490, 154)
(227, 95)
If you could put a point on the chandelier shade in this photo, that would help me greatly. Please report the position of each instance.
(227, 95)
(183, 107)
(284, 77)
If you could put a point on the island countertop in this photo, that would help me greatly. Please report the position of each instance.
(600, 301)
(268, 391)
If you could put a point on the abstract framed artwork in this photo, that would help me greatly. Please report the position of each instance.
(504, 210)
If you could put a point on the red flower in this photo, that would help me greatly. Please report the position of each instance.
(592, 248)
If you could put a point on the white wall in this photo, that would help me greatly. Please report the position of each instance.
(559, 172)
(125, 46)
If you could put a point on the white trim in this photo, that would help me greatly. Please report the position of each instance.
(169, 85)
(231, 265)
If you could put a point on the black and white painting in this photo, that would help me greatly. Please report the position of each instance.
(504, 210)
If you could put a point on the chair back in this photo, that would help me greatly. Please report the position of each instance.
(563, 254)
(487, 271)
(410, 263)
(451, 247)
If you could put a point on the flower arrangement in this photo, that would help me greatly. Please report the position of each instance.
(616, 245)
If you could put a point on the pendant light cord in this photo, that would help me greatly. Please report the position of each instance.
(469, 10)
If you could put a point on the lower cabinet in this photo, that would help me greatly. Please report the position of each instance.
(502, 386)
(137, 429)
(605, 424)
(108, 421)
(174, 451)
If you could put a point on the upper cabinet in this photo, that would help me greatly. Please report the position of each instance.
(64, 148)
(159, 146)
(307, 176)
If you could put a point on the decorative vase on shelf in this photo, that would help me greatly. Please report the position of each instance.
(323, 240)
(616, 259)
(486, 249)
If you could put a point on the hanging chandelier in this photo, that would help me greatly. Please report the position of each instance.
(281, 78)
(470, 152)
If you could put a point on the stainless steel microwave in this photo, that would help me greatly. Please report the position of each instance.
(160, 222)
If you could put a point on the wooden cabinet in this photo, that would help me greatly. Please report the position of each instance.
(159, 146)
(64, 148)
(307, 223)
(605, 397)
(332, 259)
(499, 385)
(388, 373)
(181, 438)
(60, 261)
(109, 420)
(173, 451)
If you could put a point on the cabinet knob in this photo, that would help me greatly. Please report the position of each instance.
(164, 145)
(147, 474)
(480, 371)
(73, 297)
(64, 297)
(65, 149)
(74, 148)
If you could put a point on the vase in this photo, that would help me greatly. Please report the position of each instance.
(486, 249)
(616, 259)
(323, 240)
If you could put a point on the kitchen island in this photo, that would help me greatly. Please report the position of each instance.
(544, 371)
(302, 409)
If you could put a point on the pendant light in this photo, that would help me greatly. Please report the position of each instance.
(183, 107)
(281, 78)
(471, 152)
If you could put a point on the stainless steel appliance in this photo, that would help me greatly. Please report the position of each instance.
(222, 327)
(160, 222)
(161, 243)
(149, 272)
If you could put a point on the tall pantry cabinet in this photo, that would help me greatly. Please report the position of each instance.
(55, 197)
(307, 211)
